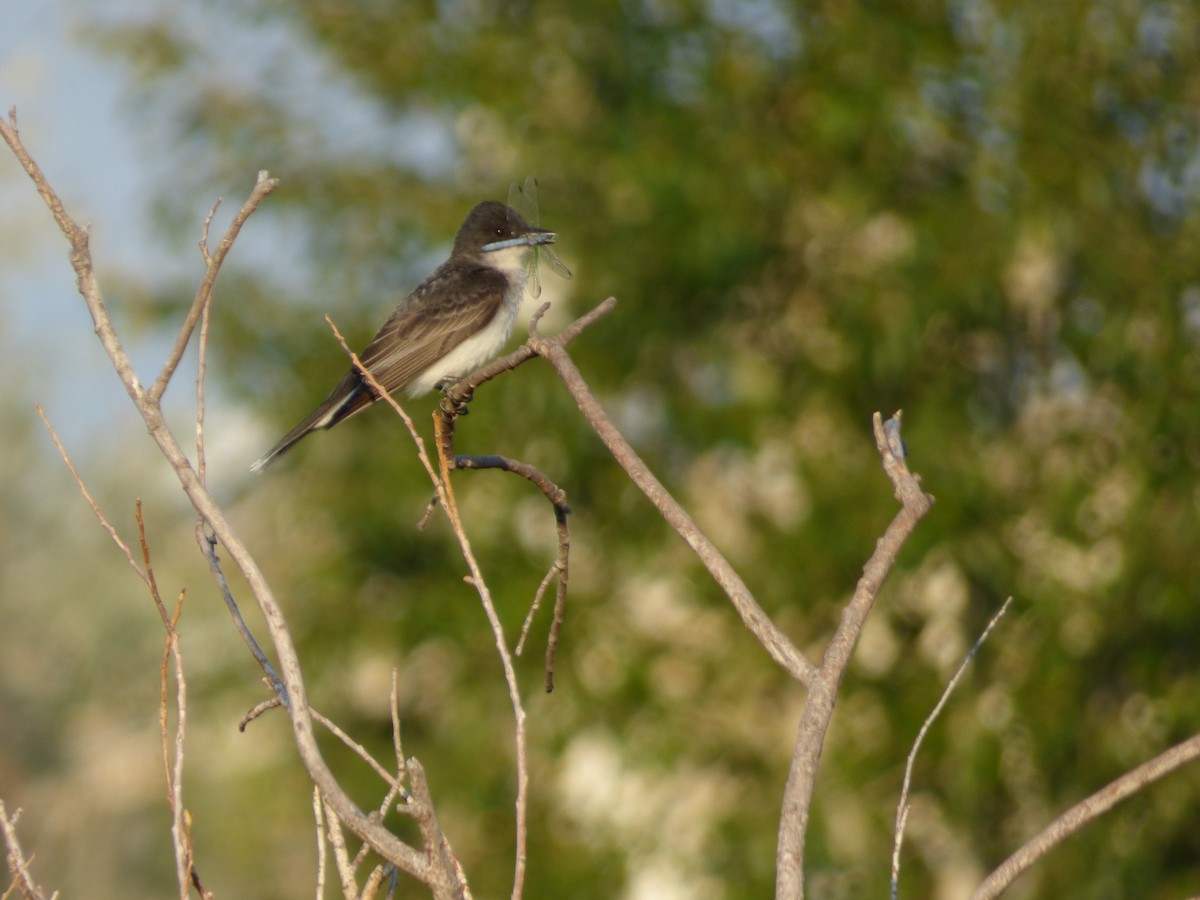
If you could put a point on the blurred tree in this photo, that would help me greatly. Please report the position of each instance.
(983, 213)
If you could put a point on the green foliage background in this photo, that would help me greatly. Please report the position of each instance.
(983, 213)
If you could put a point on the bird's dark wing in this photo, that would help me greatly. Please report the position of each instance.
(446, 309)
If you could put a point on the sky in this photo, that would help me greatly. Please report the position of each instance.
(68, 106)
(78, 118)
(69, 112)
(74, 112)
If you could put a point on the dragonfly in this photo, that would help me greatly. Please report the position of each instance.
(523, 200)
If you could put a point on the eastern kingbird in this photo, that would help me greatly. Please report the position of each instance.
(457, 319)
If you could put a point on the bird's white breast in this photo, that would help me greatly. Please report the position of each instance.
(489, 340)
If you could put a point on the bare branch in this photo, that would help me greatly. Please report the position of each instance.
(180, 830)
(387, 844)
(81, 261)
(902, 807)
(8, 130)
(1086, 811)
(18, 866)
(456, 396)
(447, 876)
(263, 185)
(441, 482)
(558, 500)
(202, 352)
(777, 644)
(462, 390)
(818, 707)
(450, 505)
(104, 523)
(319, 818)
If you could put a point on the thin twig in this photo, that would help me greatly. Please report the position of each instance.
(151, 582)
(180, 828)
(208, 547)
(1085, 812)
(263, 186)
(556, 495)
(202, 349)
(17, 864)
(341, 857)
(902, 808)
(104, 523)
(387, 398)
(560, 601)
(534, 607)
(450, 505)
(373, 882)
(561, 567)
(560, 572)
(358, 749)
(273, 702)
(395, 709)
(180, 832)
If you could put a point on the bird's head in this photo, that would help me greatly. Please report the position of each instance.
(494, 227)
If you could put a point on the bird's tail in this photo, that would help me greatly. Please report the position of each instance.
(347, 398)
(289, 440)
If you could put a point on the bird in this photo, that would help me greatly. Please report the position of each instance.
(454, 321)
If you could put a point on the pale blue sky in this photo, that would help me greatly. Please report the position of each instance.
(68, 102)
(75, 113)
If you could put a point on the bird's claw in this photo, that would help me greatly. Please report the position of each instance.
(454, 402)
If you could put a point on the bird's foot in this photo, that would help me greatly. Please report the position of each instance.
(454, 402)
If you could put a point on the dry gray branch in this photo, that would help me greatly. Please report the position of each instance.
(18, 866)
(818, 706)
(776, 643)
(1086, 811)
(426, 866)
(104, 523)
(447, 501)
(902, 806)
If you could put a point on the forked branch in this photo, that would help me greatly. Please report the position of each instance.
(818, 706)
